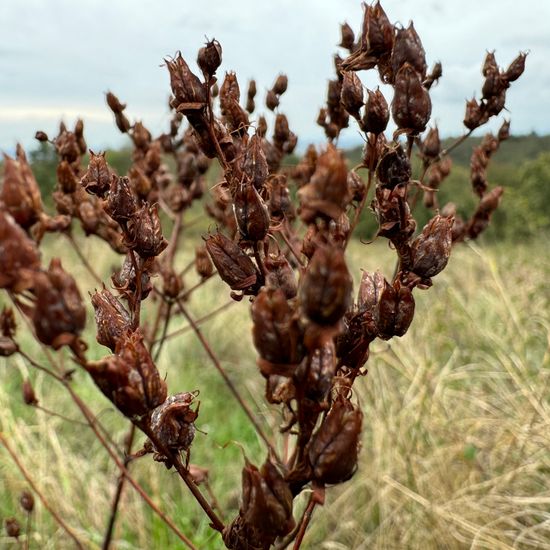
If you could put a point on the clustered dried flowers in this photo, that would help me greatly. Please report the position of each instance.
(311, 335)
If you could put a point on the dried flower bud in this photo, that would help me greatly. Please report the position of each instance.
(114, 103)
(408, 49)
(97, 179)
(147, 238)
(209, 59)
(281, 275)
(333, 449)
(251, 213)
(431, 146)
(474, 116)
(377, 113)
(377, 32)
(326, 287)
(20, 193)
(434, 76)
(254, 162)
(203, 264)
(41, 136)
(29, 397)
(394, 167)
(404, 312)
(59, 315)
(516, 68)
(13, 529)
(27, 501)
(348, 37)
(19, 256)
(111, 318)
(489, 64)
(411, 105)
(189, 92)
(432, 248)
(281, 84)
(316, 373)
(234, 266)
(352, 94)
(172, 422)
(504, 131)
(271, 100)
(487, 205)
(121, 202)
(129, 379)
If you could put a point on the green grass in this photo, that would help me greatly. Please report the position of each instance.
(456, 431)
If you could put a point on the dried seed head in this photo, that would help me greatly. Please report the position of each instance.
(432, 248)
(146, 231)
(325, 291)
(188, 90)
(377, 34)
(489, 64)
(20, 192)
(29, 397)
(348, 37)
(394, 167)
(111, 318)
(404, 312)
(352, 94)
(474, 116)
(27, 501)
(271, 100)
(254, 162)
(280, 85)
(203, 264)
(431, 146)
(376, 114)
(316, 373)
(411, 105)
(516, 68)
(124, 280)
(19, 256)
(333, 449)
(172, 422)
(129, 378)
(234, 266)
(121, 202)
(281, 275)
(209, 59)
(408, 49)
(250, 213)
(114, 103)
(41, 136)
(59, 315)
(13, 529)
(504, 131)
(97, 179)
(434, 76)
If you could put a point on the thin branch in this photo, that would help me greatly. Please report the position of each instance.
(306, 518)
(226, 378)
(43, 499)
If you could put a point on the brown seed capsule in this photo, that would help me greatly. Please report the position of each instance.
(489, 64)
(516, 68)
(376, 114)
(129, 378)
(146, 231)
(316, 373)
(281, 84)
(394, 167)
(273, 332)
(405, 310)
(281, 275)
(59, 315)
(431, 146)
(333, 449)
(97, 179)
(325, 291)
(209, 59)
(20, 193)
(13, 529)
(348, 38)
(352, 94)
(474, 116)
(29, 397)
(172, 422)
(504, 131)
(434, 76)
(267, 501)
(271, 100)
(121, 202)
(27, 501)
(250, 213)
(114, 103)
(111, 318)
(408, 49)
(432, 248)
(19, 256)
(203, 264)
(411, 105)
(41, 136)
(188, 90)
(377, 34)
(254, 162)
(234, 266)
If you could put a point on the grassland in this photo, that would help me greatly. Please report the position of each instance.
(456, 434)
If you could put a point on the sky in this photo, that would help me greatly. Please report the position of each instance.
(59, 57)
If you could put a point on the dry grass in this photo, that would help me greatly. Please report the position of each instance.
(456, 436)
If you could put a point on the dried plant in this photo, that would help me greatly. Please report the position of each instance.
(286, 257)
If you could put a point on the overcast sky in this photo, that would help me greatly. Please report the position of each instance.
(59, 57)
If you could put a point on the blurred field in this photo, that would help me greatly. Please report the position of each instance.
(456, 436)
